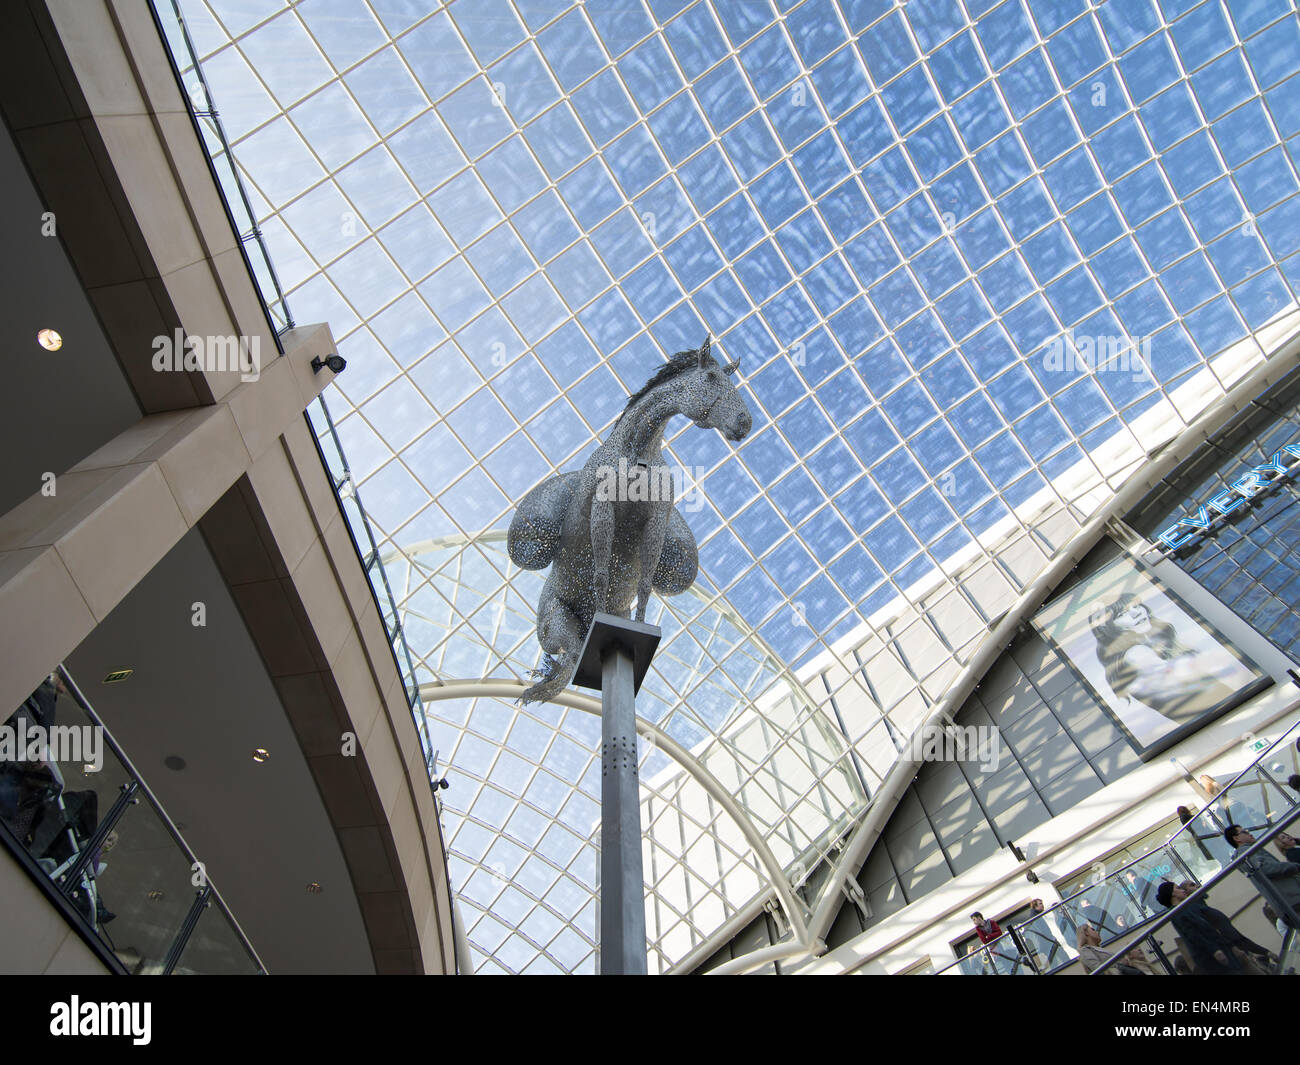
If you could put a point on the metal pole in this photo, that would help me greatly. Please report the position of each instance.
(622, 884)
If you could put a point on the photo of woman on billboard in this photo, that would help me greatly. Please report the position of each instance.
(1159, 669)
(1144, 660)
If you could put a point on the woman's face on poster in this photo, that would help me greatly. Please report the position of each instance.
(1135, 619)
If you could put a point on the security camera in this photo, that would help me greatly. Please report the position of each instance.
(336, 363)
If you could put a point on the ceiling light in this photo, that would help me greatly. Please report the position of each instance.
(261, 754)
(49, 340)
(314, 888)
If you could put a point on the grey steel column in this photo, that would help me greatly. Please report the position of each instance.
(622, 885)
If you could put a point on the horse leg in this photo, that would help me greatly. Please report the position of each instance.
(652, 543)
(561, 636)
(602, 545)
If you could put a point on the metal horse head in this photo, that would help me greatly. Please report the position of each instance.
(710, 398)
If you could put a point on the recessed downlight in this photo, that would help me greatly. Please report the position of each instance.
(261, 754)
(314, 888)
(49, 340)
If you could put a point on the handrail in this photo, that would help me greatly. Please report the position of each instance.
(78, 869)
(1242, 858)
(1281, 740)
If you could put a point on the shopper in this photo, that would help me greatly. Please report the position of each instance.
(1283, 877)
(1209, 936)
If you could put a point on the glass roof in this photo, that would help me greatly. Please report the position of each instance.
(977, 260)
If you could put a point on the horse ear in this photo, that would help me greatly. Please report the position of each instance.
(704, 348)
(731, 367)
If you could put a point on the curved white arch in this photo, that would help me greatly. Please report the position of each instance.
(498, 536)
(511, 689)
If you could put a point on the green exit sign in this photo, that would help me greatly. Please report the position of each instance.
(117, 675)
(1259, 745)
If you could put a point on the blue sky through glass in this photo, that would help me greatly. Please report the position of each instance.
(916, 225)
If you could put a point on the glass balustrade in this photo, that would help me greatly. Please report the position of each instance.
(1118, 913)
(75, 810)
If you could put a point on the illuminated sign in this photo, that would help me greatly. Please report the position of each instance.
(1237, 495)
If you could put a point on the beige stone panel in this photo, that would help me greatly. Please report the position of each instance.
(304, 623)
(156, 202)
(406, 730)
(186, 424)
(32, 523)
(323, 602)
(133, 319)
(411, 850)
(75, 958)
(387, 920)
(346, 795)
(263, 408)
(201, 467)
(193, 292)
(380, 653)
(312, 712)
(312, 478)
(190, 164)
(397, 963)
(96, 505)
(412, 854)
(341, 550)
(139, 36)
(35, 83)
(130, 444)
(109, 553)
(367, 858)
(89, 37)
(85, 214)
(436, 942)
(356, 685)
(42, 618)
(273, 624)
(31, 929)
(275, 491)
(385, 763)
(241, 292)
(239, 537)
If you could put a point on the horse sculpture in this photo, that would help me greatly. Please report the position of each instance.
(606, 545)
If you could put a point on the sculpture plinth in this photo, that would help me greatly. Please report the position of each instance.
(614, 661)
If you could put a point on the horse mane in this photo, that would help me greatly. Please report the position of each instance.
(681, 363)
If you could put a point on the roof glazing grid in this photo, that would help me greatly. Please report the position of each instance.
(506, 209)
